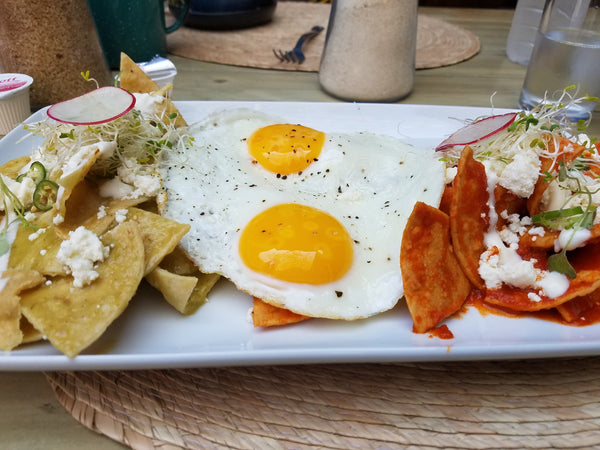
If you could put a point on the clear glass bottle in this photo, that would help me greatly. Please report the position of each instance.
(370, 47)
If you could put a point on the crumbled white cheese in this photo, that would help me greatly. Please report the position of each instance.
(521, 174)
(121, 215)
(33, 236)
(148, 104)
(131, 183)
(516, 226)
(451, 174)
(501, 264)
(80, 254)
(101, 212)
(58, 219)
(145, 185)
(509, 237)
(504, 265)
(537, 231)
(582, 139)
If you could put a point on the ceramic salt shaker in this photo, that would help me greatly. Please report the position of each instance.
(370, 47)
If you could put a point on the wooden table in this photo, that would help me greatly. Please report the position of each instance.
(30, 416)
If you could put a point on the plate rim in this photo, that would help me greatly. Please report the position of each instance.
(22, 359)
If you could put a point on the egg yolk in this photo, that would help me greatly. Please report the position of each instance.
(285, 148)
(296, 243)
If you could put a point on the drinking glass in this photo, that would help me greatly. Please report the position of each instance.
(565, 55)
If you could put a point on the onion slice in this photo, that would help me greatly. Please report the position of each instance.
(476, 131)
(98, 106)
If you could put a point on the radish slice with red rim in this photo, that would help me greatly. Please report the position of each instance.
(95, 107)
(476, 131)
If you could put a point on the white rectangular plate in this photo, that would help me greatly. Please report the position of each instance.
(150, 334)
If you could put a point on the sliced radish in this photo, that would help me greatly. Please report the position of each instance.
(98, 106)
(476, 131)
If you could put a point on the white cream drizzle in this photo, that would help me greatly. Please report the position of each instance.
(500, 263)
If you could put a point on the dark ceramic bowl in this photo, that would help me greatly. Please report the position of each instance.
(226, 14)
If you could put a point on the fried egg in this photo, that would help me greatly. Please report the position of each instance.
(304, 219)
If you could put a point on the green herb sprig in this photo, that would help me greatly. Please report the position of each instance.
(575, 218)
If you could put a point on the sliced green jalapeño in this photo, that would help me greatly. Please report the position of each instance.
(45, 195)
(37, 172)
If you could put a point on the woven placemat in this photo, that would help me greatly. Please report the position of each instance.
(438, 43)
(479, 404)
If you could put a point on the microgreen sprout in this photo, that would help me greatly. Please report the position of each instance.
(574, 218)
(138, 138)
(86, 76)
(68, 135)
(530, 130)
(12, 205)
(542, 132)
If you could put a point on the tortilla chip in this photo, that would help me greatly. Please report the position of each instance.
(267, 315)
(69, 181)
(73, 318)
(534, 241)
(11, 168)
(446, 199)
(38, 254)
(30, 334)
(434, 284)
(469, 215)
(195, 284)
(566, 152)
(506, 201)
(585, 261)
(186, 293)
(133, 78)
(547, 240)
(171, 114)
(17, 280)
(82, 204)
(160, 235)
(178, 262)
(586, 307)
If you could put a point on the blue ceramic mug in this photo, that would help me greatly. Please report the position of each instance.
(135, 27)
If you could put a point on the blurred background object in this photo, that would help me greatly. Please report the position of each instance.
(566, 56)
(14, 100)
(489, 4)
(225, 14)
(54, 43)
(135, 27)
(370, 49)
(526, 22)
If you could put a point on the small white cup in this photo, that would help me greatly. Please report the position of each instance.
(161, 70)
(14, 100)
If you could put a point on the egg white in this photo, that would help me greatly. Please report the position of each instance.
(368, 182)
